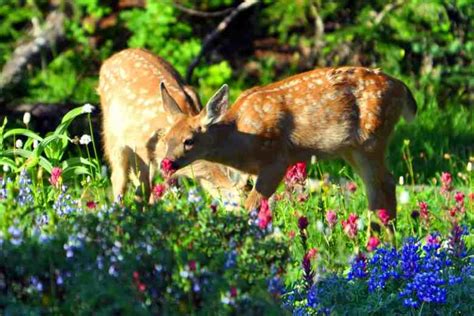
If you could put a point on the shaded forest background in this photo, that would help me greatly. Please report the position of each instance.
(427, 44)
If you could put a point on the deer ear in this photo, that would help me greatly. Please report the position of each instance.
(169, 104)
(217, 106)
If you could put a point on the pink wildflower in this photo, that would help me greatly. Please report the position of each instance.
(446, 181)
(296, 173)
(350, 225)
(141, 287)
(192, 265)
(331, 218)
(233, 292)
(432, 239)
(459, 197)
(351, 187)
(91, 204)
(167, 167)
(312, 253)
(384, 216)
(158, 190)
(373, 243)
(55, 178)
(453, 211)
(424, 214)
(264, 215)
(292, 234)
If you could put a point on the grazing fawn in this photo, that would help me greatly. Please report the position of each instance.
(133, 118)
(346, 112)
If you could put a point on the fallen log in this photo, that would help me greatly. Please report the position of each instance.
(46, 40)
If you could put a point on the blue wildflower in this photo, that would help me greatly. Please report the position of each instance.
(409, 302)
(383, 267)
(64, 204)
(193, 196)
(25, 195)
(36, 284)
(16, 235)
(3, 189)
(428, 285)
(312, 297)
(410, 258)
(275, 286)
(358, 268)
(231, 259)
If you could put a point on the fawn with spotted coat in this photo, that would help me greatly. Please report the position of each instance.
(346, 112)
(134, 117)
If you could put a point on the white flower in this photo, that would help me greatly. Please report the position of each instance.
(469, 166)
(225, 300)
(404, 197)
(320, 226)
(112, 271)
(6, 168)
(313, 185)
(87, 108)
(360, 224)
(85, 139)
(401, 181)
(19, 143)
(26, 118)
(35, 143)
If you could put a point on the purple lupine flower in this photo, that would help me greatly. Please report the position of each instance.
(383, 266)
(358, 268)
(457, 247)
(410, 258)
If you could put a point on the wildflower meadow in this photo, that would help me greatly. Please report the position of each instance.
(67, 247)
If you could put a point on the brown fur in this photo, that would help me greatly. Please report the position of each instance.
(134, 118)
(346, 112)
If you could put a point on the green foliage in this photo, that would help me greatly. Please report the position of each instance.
(47, 152)
(157, 28)
(13, 21)
(426, 44)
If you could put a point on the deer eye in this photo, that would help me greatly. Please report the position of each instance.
(188, 143)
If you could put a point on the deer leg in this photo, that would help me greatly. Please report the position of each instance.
(142, 171)
(379, 183)
(119, 165)
(152, 167)
(267, 182)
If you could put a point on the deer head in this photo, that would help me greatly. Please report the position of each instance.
(193, 138)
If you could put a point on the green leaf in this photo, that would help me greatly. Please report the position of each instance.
(24, 132)
(32, 159)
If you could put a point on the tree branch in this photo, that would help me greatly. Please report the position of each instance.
(45, 39)
(315, 55)
(201, 14)
(211, 37)
(387, 9)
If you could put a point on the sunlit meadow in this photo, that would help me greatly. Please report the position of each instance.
(67, 247)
